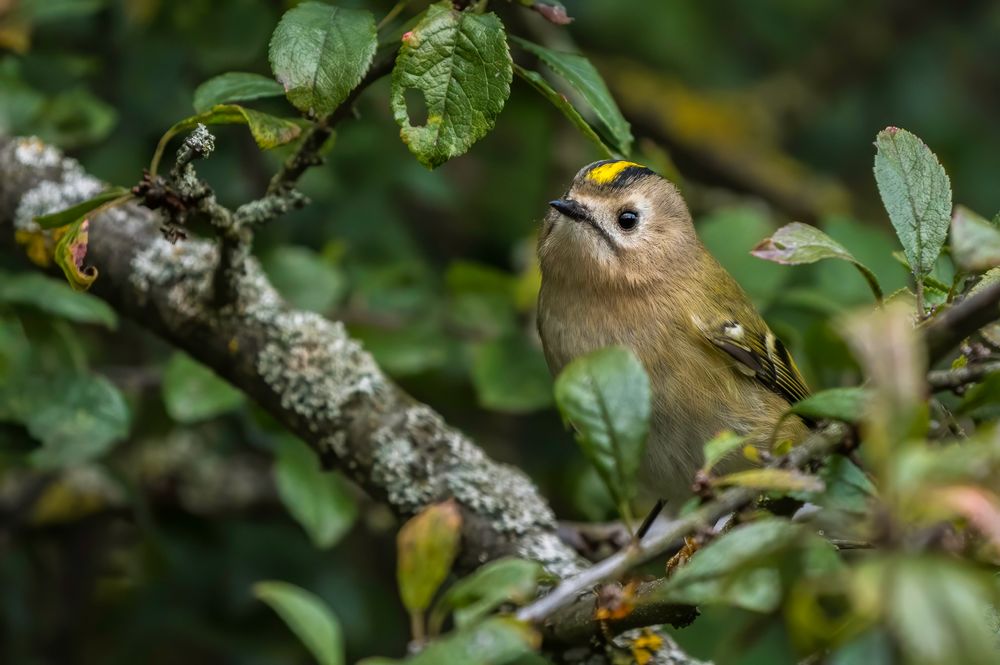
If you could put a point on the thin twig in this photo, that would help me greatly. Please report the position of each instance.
(309, 151)
(817, 445)
(948, 379)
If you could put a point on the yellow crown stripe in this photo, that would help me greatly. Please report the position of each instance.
(605, 173)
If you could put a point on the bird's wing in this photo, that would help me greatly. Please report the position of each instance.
(758, 353)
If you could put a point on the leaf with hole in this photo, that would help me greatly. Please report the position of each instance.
(606, 396)
(916, 193)
(320, 53)
(459, 61)
(308, 616)
(584, 79)
(797, 244)
(234, 87)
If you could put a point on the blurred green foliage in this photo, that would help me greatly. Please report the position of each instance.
(144, 545)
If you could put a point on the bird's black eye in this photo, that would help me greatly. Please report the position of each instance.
(628, 220)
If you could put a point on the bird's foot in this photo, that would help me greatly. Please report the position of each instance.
(691, 545)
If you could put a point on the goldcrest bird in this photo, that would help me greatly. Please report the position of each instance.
(621, 264)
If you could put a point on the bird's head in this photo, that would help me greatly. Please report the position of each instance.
(618, 224)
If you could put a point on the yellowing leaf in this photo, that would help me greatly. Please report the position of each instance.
(781, 480)
(428, 545)
(267, 130)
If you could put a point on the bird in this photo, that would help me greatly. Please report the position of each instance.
(621, 264)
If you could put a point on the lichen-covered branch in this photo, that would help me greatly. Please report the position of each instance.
(302, 368)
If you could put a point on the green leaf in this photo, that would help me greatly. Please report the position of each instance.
(844, 404)
(75, 118)
(606, 396)
(778, 480)
(80, 210)
(982, 400)
(916, 193)
(797, 244)
(318, 500)
(848, 489)
(234, 87)
(193, 392)
(267, 130)
(510, 375)
(460, 63)
(584, 79)
(502, 581)
(428, 545)
(55, 297)
(975, 242)
(937, 608)
(304, 278)
(320, 52)
(736, 569)
(497, 641)
(308, 617)
(81, 419)
(535, 80)
(720, 446)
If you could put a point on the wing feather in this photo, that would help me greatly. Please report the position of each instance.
(759, 354)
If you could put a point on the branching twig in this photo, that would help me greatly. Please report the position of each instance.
(567, 593)
(309, 152)
(949, 379)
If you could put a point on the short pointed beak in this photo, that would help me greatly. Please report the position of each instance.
(571, 209)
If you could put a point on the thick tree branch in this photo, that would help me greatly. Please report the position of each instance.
(302, 368)
(947, 330)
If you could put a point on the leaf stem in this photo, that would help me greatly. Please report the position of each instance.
(872, 281)
(921, 313)
(418, 630)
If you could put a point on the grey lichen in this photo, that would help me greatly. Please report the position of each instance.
(183, 271)
(314, 367)
(418, 459)
(72, 187)
(34, 153)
